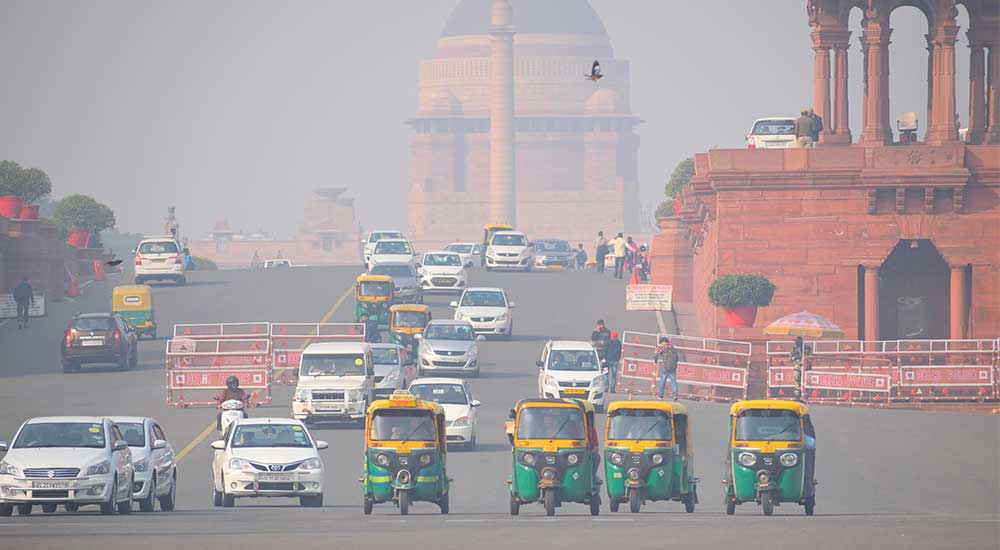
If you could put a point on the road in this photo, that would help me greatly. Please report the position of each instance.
(888, 478)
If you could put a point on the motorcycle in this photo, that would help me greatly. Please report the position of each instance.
(232, 410)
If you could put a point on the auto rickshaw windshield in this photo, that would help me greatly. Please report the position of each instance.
(332, 365)
(409, 319)
(550, 423)
(768, 425)
(374, 288)
(402, 425)
(636, 424)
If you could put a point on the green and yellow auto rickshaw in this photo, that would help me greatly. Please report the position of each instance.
(135, 304)
(373, 294)
(406, 320)
(772, 455)
(554, 450)
(649, 454)
(488, 231)
(406, 452)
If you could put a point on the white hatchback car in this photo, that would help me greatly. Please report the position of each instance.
(159, 258)
(509, 250)
(772, 133)
(391, 250)
(376, 236)
(68, 460)
(459, 407)
(267, 457)
(442, 272)
(471, 253)
(153, 460)
(488, 310)
(571, 369)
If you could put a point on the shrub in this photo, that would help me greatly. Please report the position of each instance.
(741, 290)
(203, 264)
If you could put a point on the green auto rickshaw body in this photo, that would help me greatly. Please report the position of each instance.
(373, 295)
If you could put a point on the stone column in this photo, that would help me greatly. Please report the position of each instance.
(942, 127)
(977, 89)
(876, 41)
(993, 94)
(821, 83)
(957, 309)
(871, 302)
(503, 201)
(864, 80)
(930, 80)
(841, 110)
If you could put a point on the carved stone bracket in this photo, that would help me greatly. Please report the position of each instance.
(872, 200)
(957, 199)
(928, 200)
(900, 200)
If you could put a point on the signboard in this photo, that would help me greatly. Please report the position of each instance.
(648, 298)
(216, 379)
(847, 381)
(711, 375)
(8, 308)
(947, 376)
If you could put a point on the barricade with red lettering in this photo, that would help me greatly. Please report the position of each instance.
(221, 331)
(197, 369)
(289, 339)
(713, 369)
(940, 370)
(637, 373)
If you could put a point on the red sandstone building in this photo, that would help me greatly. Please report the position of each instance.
(890, 241)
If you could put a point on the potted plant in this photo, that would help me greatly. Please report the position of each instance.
(740, 296)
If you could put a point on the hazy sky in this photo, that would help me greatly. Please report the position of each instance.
(238, 108)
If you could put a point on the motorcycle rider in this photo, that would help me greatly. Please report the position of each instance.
(232, 391)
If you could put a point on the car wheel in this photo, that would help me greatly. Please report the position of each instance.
(108, 508)
(139, 280)
(125, 506)
(149, 503)
(123, 361)
(72, 507)
(488, 268)
(311, 501)
(24, 509)
(135, 356)
(475, 373)
(228, 501)
(472, 444)
(69, 367)
(168, 501)
(182, 281)
(510, 333)
(6, 510)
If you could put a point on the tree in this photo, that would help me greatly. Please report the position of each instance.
(83, 212)
(30, 184)
(680, 177)
(10, 173)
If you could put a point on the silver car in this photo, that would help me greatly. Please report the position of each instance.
(449, 346)
(393, 369)
(153, 461)
(404, 277)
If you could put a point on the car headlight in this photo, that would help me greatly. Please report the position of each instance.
(99, 468)
(461, 421)
(382, 460)
(528, 458)
(572, 459)
(502, 316)
(789, 459)
(597, 381)
(9, 469)
(550, 380)
(657, 459)
(240, 464)
(617, 459)
(354, 395)
(459, 316)
(311, 464)
(425, 459)
(141, 465)
(747, 459)
(301, 395)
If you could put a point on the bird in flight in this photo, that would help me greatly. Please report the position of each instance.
(595, 72)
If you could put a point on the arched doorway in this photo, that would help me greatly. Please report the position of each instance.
(914, 292)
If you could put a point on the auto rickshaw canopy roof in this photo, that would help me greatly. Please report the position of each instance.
(402, 399)
(144, 292)
(366, 278)
(666, 406)
(550, 402)
(777, 404)
(410, 307)
(497, 227)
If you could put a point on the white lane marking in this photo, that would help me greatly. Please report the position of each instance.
(84, 284)
(4, 322)
(659, 321)
(465, 521)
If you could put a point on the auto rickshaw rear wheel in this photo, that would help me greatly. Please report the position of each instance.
(810, 505)
(614, 503)
(689, 502)
(443, 503)
(369, 504)
(404, 503)
(595, 505)
(515, 506)
(634, 500)
(549, 496)
(730, 506)
(767, 502)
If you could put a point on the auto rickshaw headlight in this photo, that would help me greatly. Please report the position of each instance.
(572, 459)
(789, 459)
(382, 460)
(425, 459)
(633, 474)
(548, 474)
(763, 477)
(657, 459)
(528, 458)
(747, 459)
(617, 458)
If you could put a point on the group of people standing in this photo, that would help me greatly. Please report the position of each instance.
(807, 128)
(628, 254)
(609, 349)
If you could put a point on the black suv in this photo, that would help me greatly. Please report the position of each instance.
(99, 338)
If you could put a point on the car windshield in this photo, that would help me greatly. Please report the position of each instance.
(409, 319)
(332, 365)
(774, 127)
(768, 425)
(374, 288)
(396, 271)
(550, 423)
(574, 360)
(446, 394)
(552, 246)
(133, 433)
(442, 259)
(61, 434)
(636, 424)
(159, 247)
(393, 247)
(402, 425)
(385, 356)
(270, 435)
(483, 298)
(460, 248)
(93, 323)
(508, 240)
(448, 332)
(377, 236)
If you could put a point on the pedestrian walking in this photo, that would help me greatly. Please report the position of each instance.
(581, 257)
(600, 251)
(612, 356)
(817, 126)
(24, 298)
(666, 359)
(803, 129)
(372, 332)
(599, 337)
(618, 246)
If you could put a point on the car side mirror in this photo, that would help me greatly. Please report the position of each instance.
(119, 445)
(512, 305)
(475, 403)
(4, 446)
(453, 304)
(320, 445)
(159, 444)
(219, 445)
(480, 338)
(511, 414)
(539, 364)
(370, 371)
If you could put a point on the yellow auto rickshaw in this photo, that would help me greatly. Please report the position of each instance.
(488, 231)
(135, 304)
(406, 449)
(649, 454)
(406, 320)
(373, 294)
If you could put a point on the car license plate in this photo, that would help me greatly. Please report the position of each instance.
(274, 477)
(94, 342)
(575, 391)
(329, 406)
(50, 485)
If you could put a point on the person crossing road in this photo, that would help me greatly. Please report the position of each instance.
(24, 297)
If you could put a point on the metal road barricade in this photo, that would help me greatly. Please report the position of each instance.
(197, 369)
(289, 339)
(221, 331)
(943, 370)
(637, 373)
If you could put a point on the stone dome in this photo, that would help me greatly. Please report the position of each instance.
(605, 102)
(472, 17)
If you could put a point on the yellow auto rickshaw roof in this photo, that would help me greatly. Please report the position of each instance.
(410, 307)
(497, 226)
(548, 402)
(779, 404)
(123, 290)
(666, 406)
(405, 402)
(366, 278)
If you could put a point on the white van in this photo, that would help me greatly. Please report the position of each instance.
(772, 133)
(336, 382)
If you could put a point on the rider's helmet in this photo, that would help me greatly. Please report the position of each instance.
(232, 382)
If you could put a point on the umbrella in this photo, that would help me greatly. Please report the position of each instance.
(804, 323)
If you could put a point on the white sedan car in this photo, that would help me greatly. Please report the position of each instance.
(442, 272)
(153, 461)
(488, 310)
(391, 250)
(459, 407)
(68, 460)
(471, 253)
(267, 457)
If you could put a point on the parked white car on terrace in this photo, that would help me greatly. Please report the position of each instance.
(267, 457)
(571, 369)
(376, 236)
(772, 133)
(488, 310)
(159, 258)
(442, 272)
(460, 409)
(509, 250)
(70, 460)
(153, 461)
(391, 250)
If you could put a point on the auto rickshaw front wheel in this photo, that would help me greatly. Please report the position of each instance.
(767, 502)
(634, 500)
(549, 496)
(404, 503)
(443, 503)
(515, 506)
(810, 505)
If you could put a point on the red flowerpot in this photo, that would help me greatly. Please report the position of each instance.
(78, 238)
(29, 212)
(10, 206)
(740, 316)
